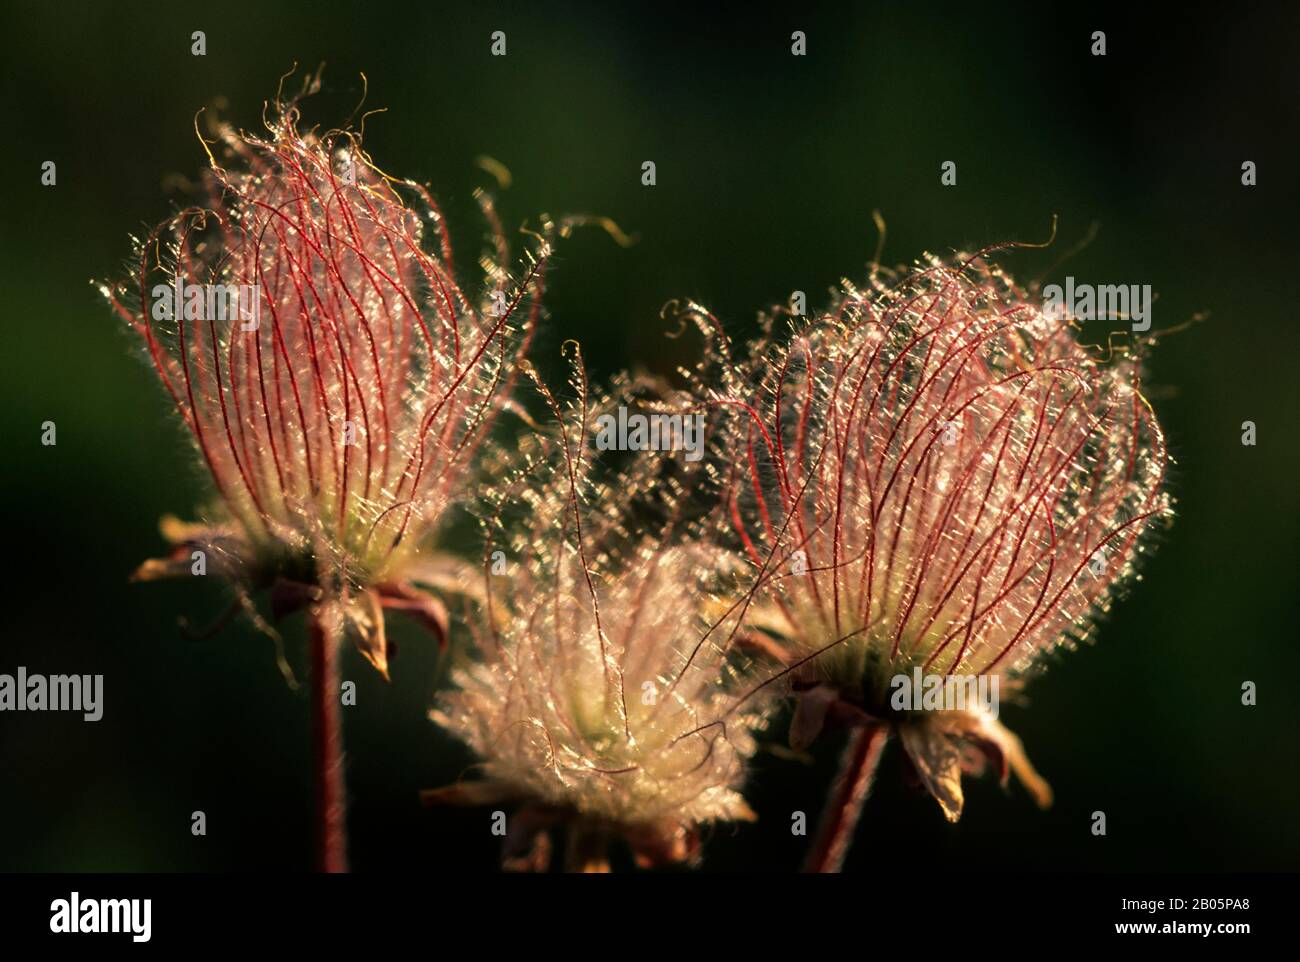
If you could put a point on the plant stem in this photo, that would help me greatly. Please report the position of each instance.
(587, 850)
(848, 793)
(327, 746)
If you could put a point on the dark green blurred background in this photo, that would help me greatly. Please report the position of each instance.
(768, 169)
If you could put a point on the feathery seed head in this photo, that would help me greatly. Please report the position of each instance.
(335, 378)
(936, 474)
(604, 670)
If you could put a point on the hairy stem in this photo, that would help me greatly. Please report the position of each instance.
(848, 793)
(327, 746)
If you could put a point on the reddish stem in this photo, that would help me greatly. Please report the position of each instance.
(587, 850)
(327, 747)
(844, 807)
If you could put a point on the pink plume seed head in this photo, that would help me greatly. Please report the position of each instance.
(935, 474)
(944, 474)
(340, 416)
